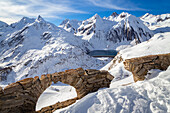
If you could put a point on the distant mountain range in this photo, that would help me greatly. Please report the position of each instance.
(32, 47)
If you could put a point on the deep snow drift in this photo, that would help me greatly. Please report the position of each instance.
(56, 93)
(141, 97)
(148, 96)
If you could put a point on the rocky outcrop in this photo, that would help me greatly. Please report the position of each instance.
(140, 66)
(4, 73)
(21, 97)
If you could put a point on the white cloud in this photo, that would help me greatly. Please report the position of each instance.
(115, 4)
(12, 10)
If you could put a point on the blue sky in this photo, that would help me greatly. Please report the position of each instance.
(57, 10)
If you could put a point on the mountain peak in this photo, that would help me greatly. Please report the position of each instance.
(96, 16)
(40, 19)
(146, 15)
(124, 14)
(21, 23)
(114, 14)
(64, 21)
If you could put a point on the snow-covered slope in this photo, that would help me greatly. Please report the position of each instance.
(70, 25)
(34, 47)
(23, 22)
(151, 96)
(3, 24)
(156, 21)
(112, 16)
(6, 30)
(40, 48)
(158, 44)
(109, 33)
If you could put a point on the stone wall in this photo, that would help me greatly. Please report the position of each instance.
(21, 97)
(140, 66)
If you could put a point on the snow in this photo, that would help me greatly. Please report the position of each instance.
(105, 33)
(156, 21)
(35, 47)
(144, 97)
(55, 93)
(158, 44)
(3, 24)
(70, 25)
(41, 47)
(23, 22)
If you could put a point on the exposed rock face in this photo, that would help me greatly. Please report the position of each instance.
(21, 97)
(140, 66)
(4, 72)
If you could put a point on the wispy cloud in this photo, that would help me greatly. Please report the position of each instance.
(13, 10)
(115, 4)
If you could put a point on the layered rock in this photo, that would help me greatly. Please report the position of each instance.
(22, 96)
(140, 66)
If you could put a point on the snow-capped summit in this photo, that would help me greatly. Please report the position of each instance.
(132, 28)
(111, 33)
(114, 14)
(40, 48)
(23, 22)
(70, 25)
(111, 17)
(156, 20)
(95, 17)
(92, 25)
(35, 46)
(147, 15)
(40, 19)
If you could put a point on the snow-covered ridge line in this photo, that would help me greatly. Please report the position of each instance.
(156, 20)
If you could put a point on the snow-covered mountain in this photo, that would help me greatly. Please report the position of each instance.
(32, 47)
(112, 16)
(3, 24)
(41, 47)
(70, 25)
(23, 22)
(109, 33)
(148, 96)
(156, 20)
(35, 47)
